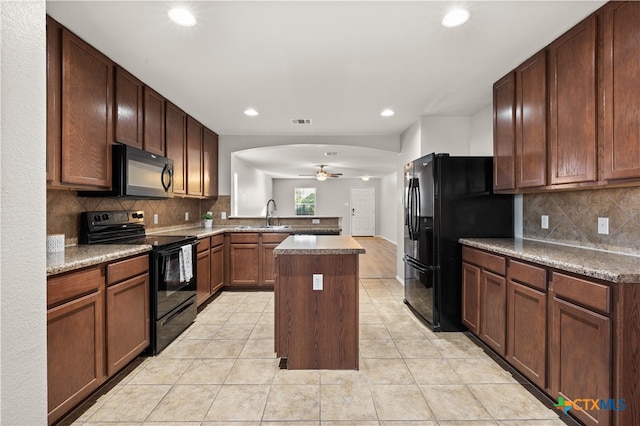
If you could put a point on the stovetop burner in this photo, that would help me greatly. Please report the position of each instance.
(123, 227)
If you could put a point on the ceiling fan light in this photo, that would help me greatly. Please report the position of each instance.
(321, 177)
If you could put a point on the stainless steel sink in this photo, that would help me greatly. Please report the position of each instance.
(271, 227)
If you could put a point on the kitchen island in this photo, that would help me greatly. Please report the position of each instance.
(316, 302)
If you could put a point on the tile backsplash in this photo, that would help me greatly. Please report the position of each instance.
(573, 218)
(64, 208)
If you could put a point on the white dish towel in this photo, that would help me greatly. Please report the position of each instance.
(186, 263)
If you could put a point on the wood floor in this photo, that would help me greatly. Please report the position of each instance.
(379, 261)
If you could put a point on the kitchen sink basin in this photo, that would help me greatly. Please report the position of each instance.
(272, 227)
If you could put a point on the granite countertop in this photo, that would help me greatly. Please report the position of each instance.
(81, 256)
(618, 268)
(202, 232)
(319, 244)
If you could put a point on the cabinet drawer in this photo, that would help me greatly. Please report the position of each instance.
(274, 238)
(248, 237)
(120, 271)
(491, 262)
(530, 275)
(204, 244)
(217, 240)
(586, 293)
(61, 288)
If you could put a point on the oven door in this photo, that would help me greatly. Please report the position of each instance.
(173, 285)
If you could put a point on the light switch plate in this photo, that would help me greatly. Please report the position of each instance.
(186, 216)
(317, 281)
(223, 215)
(155, 218)
(315, 221)
(603, 225)
(544, 221)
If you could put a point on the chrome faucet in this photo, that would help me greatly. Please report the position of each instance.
(268, 217)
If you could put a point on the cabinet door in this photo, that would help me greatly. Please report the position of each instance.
(268, 264)
(217, 268)
(493, 312)
(54, 93)
(203, 290)
(176, 141)
(527, 331)
(127, 321)
(620, 95)
(504, 121)
(531, 122)
(243, 264)
(154, 132)
(75, 348)
(129, 109)
(87, 114)
(194, 157)
(471, 297)
(580, 358)
(210, 163)
(573, 120)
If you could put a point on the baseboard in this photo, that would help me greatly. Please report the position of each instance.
(400, 279)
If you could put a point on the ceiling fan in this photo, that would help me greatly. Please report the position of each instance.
(322, 174)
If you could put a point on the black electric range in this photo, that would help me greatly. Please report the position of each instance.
(172, 269)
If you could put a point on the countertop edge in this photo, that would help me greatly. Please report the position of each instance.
(620, 269)
(90, 259)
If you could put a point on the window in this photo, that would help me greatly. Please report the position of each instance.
(305, 201)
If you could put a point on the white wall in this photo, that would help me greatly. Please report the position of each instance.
(23, 298)
(481, 135)
(254, 188)
(232, 143)
(445, 134)
(333, 197)
(390, 199)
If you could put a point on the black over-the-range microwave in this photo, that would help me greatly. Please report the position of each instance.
(138, 174)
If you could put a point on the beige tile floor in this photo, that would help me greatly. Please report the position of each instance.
(223, 371)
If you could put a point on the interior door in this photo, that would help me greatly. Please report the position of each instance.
(363, 211)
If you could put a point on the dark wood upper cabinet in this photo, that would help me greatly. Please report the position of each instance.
(194, 157)
(154, 122)
(531, 122)
(504, 120)
(87, 114)
(54, 94)
(129, 110)
(620, 94)
(176, 144)
(573, 120)
(210, 163)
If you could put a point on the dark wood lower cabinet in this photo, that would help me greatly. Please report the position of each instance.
(580, 359)
(243, 264)
(217, 267)
(493, 298)
(471, 297)
(203, 279)
(75, 352)
(127, 321)
(527, 331)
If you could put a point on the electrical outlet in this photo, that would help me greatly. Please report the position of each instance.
(317, 281)
(155, 218)
(544, 221)
(603, 225)
(315, 221)
(223, 215)
(186, 216)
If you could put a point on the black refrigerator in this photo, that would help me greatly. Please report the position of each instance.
(447, 198)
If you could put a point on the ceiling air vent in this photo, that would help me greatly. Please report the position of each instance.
(301, 121)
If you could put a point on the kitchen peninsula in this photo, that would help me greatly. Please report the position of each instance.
(316, 302)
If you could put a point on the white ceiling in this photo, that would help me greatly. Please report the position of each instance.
(338, 63)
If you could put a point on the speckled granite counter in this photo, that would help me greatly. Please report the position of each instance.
(319, 244)
(591, 263)
(202, 232)
(81, 256)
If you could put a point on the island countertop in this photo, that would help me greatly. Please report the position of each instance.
(319, 244)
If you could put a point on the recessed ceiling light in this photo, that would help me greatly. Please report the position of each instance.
(250, 112)
(182, 17)
(455, 18)
(365, 178)
(330, 154)
(387, 113)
